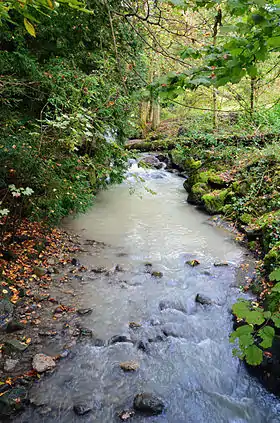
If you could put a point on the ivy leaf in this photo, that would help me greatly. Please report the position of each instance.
(267, 335)
(276, 319)
(254, 355)
(275, 275)
(29, 27)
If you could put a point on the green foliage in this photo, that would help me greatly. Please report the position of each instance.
(256, 332)
(65, 107)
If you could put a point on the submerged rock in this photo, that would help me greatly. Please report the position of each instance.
(148, 403)
(134, 325)
(86, 332)
(175, 305)
(84, 311)
(157, 274)
(126, 415)
(129, 366)
(119, 338)
(150, 161)
(203, 299)
(221, 264)
(82, 409)
(42, 362)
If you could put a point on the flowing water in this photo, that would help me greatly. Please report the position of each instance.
(188, 360)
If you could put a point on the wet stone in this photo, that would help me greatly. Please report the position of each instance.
(10, 364)
(126, 415)
(84, 311)
(98, 342)
(119, 338)
(175, 305)
(221, 264)
(6, 312)
(203, 299)
(134, 325)
(157, 274)
(14, 326)
(42, 362)
(12, 401)
(14, 345)
(129, 366)
(86, 332)
(99, 270)
(49, 332)
(82, 409)
(75, 261)
(148, 403)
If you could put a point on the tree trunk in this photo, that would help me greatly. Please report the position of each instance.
(144, 111)
(156, 115)
(252, 96)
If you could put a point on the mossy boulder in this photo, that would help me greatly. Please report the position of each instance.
(197, 192)
(272, 258)
(214, 180)
(214, 201)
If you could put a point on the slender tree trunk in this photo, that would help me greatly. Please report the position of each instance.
(252, 96)
(217, 23)
(156, 115)
(215, 114)
(144, 111)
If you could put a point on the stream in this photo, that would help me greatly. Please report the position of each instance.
(181, 346)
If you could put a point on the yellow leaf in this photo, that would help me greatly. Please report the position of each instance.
(29, 27)
(50, 4)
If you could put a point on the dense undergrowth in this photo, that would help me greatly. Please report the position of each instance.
(65, 104)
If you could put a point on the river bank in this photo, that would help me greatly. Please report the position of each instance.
(40, 314)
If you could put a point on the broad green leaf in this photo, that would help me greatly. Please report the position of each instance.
(241, 308)
(276, 319)
(252, 71)
(276, 288)
(254, 355)
(267, 335)
(275, 275)
(267, 314)
(274, 42)
(29, 27)
(255, 317)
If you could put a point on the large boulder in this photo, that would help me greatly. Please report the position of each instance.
(148, 404)
(150, 161)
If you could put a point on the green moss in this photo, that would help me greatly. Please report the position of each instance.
(214, 202)
(197, 192)
(272, 258)
(240, 188)
(246, 218)
(192, 164)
